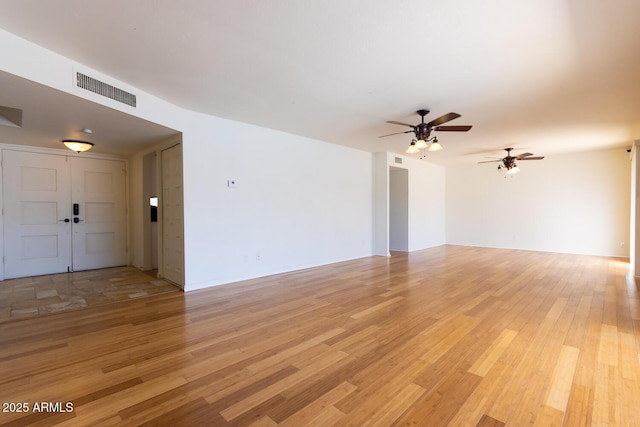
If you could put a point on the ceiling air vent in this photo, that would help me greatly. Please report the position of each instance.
(398, 160)
(96, 86)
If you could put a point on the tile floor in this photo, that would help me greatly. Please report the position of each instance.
(41, 295)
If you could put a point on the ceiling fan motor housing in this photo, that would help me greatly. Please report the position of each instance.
(422, 131)
(509, 162)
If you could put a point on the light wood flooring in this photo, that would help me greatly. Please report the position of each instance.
(452, 335)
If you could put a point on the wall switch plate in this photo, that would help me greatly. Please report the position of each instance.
(231, 183)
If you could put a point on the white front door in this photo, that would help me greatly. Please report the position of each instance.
(43, 233)
(99, 221)
(37, 214)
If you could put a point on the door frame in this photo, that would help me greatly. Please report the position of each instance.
(162, 264)
(68, 153)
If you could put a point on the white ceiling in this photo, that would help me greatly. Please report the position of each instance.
(545, 76)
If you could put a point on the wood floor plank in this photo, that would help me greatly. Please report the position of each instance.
(376, 307)
(487, 421)
(262, 395)
(608, 349)
(579, 407)
(451, 335)
(483, 398)
(439, 405)
(394, 408)
(491, 355)
(312, 411)
(447, 336)
(605, 406)
(548, 416)
(562, 378)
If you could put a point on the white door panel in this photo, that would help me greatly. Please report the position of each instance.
(99, 238)
(37, 239)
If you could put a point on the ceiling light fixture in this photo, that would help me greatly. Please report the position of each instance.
(413, 149)
(435, 145)
(77, 145)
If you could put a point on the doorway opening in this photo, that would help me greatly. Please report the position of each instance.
(398, 209)
(163, 224)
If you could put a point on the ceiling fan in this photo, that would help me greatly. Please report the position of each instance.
(422, 131)
(509, 162)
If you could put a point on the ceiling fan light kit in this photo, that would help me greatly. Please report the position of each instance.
(422, 131)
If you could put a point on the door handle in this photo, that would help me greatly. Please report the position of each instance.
(77, 220)
(64, 220)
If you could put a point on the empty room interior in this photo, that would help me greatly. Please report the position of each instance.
(322, 213)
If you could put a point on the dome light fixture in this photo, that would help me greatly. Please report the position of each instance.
(77, 145)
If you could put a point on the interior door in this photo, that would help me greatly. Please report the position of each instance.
(98, 213)
(172, 216)
(37, 213)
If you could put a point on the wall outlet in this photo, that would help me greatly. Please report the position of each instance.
(622, 244)
(257, 256)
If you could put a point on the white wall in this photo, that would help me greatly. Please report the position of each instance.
(577, 203)
(297, 203)
(427, 204)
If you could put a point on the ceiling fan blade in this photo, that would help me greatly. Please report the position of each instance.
(491, 161)
(397, 133)
(533, 158)
(523, 155)
(452, 128)
(443, 119)
(400, 123)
